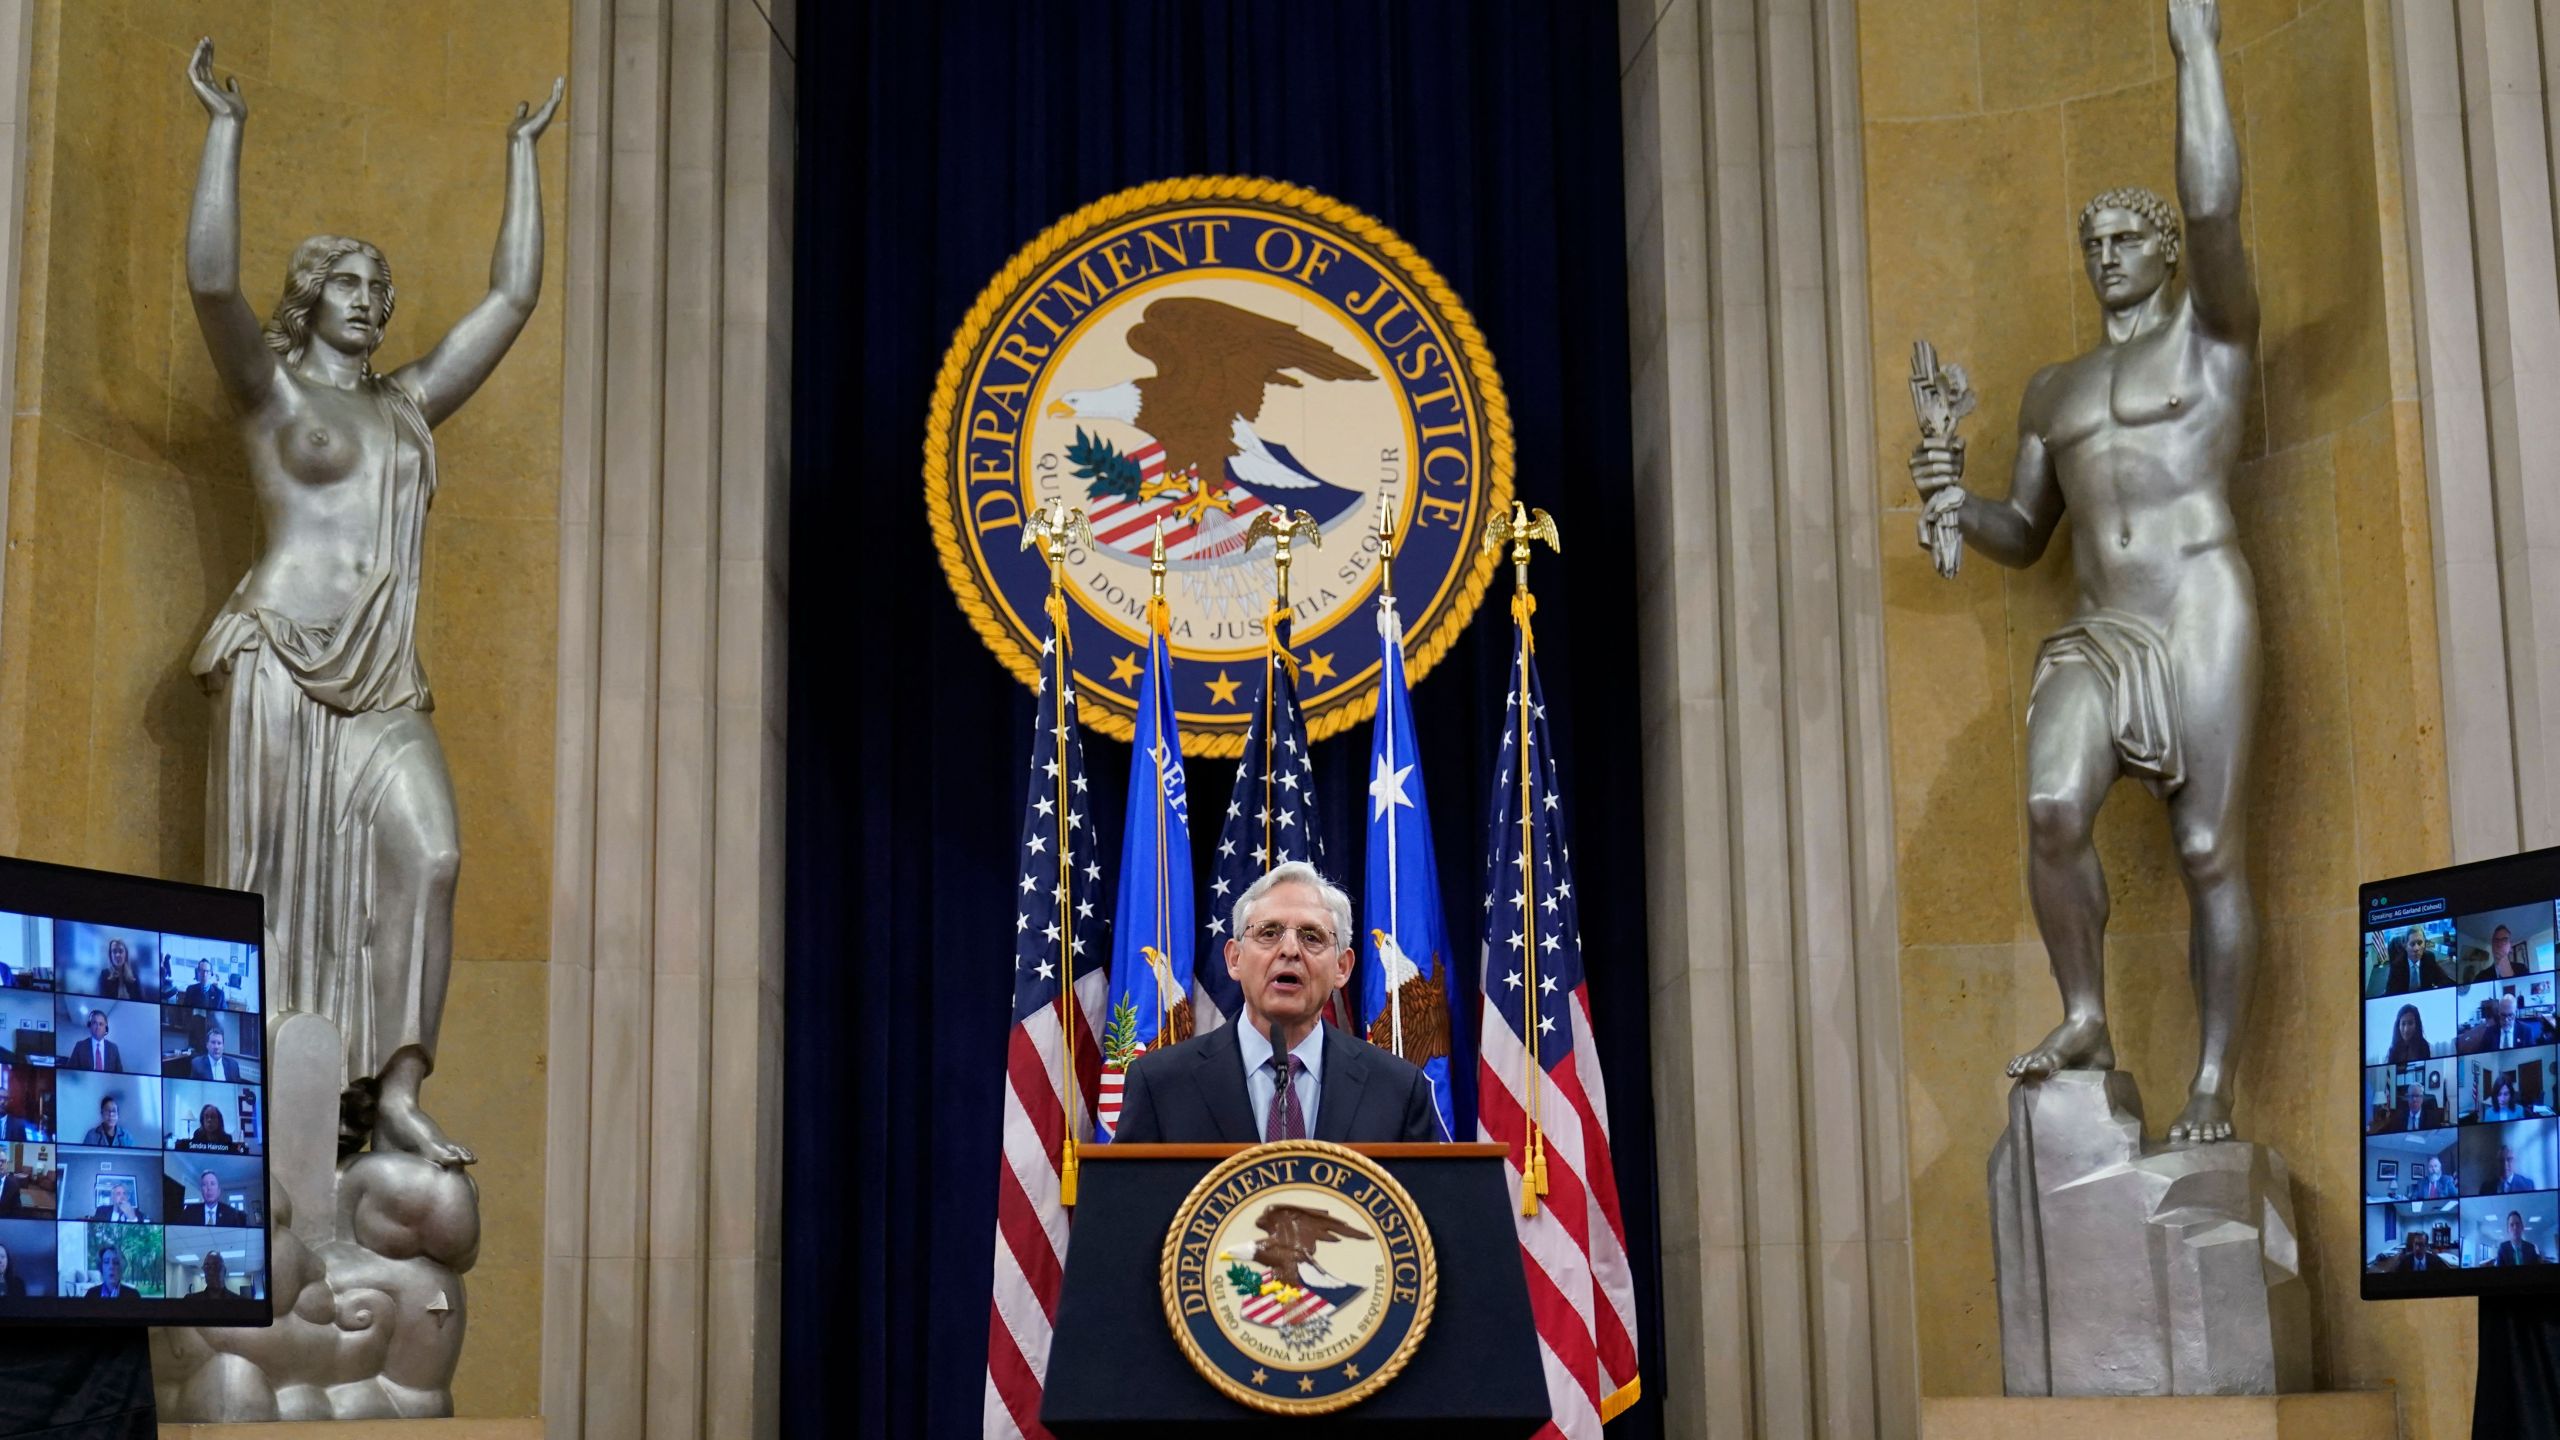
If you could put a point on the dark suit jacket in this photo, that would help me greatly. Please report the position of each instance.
(123, 1292)
(106, 1215)
(78, 1059)
(13, 1195)
(201, 1067)
(207, 997)
(2430, 1116)
(2507, 1253)
(2431, 975)
(192, 1213)
(1194, 1092)
(2516, 1184)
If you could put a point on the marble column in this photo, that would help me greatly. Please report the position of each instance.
(1769, 837)
(2477, 127)
(663, 1191)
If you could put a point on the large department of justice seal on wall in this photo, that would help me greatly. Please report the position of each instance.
(1190, 353)
(1299, 1277)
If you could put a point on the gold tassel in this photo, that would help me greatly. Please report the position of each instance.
(1067, 1175)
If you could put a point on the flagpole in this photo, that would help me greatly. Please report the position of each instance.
(1159, 630)
(1054, 529)
(1519, 528)
(1299, 525)
(1389, 633)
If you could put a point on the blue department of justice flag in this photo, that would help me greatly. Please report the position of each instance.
(1404, 989)
(1152, 927)
(1271, 820)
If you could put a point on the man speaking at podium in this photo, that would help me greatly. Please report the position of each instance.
(1288, 953)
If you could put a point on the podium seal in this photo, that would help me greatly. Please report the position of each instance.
(1298, 1277)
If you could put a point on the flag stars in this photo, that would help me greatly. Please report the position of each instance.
(1219, 886)
(1549, 903)
(1021, 923)
(1093, 871)
(1084, 909)
(1261, 856)
(1226, 847)
(1028, 884)
(1046, 806)
(1039, 843)
(1048, 971)
(1546, 1024)
(1515, 939)
(1551, 942)
(1512, 979)
(1546, 984)
(1052, 932)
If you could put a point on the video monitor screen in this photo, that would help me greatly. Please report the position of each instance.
(2461, 1037)
(133, 1178)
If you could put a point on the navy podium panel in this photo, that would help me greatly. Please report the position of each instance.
(1114, 1368)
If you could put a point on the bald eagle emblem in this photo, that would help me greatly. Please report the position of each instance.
(1197, 462)
(1282, 1287)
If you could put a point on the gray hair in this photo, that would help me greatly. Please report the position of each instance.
(2145, 203)
(1296, 872)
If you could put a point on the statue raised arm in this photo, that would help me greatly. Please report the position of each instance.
(328, 792)
(2155, 676)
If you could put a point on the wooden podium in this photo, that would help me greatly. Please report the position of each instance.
(1115, 1370)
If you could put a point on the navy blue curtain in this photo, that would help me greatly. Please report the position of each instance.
(935, 140)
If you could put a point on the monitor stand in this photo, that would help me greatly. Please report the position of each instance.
(76, 1383)
(2518, 1392)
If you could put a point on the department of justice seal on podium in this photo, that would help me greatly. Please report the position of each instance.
(1177, 358)
(1298, 1277)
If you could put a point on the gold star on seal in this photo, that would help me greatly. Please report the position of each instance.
(1260, 1375)
(1223, 690)
(1306, 1384)
(1319, 666)
(1125, 669)
(1350, 1372)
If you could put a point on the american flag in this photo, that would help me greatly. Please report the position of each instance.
(1271, 820)
(1538, 1082)
(1056, 923)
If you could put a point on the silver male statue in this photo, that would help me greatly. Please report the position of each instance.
(328, 795)
(2156, 674)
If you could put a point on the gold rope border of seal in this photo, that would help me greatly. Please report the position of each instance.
(1009, 648)
(1368, 1384)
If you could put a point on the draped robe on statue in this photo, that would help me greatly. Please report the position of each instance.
(328, 793)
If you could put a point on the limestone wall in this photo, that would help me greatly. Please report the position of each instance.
(1986, 127)
(129, 516)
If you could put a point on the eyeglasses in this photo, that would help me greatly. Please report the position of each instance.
(1310, 939)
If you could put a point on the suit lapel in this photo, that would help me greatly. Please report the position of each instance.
(1223, 1086)
(1345, 1072)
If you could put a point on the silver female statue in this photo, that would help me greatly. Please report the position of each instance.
(2156, 674)
(328, 793)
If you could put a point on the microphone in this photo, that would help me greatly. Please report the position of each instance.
(1280, 1056)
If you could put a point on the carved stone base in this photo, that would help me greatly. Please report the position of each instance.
(2338, 1415)
(2126, 1270)
(365, 1270)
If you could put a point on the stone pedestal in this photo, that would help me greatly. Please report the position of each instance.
(364, 1271)
(2126, 1270)
(2340, 1415)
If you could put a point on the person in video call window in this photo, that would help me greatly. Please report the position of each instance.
(209, 1208)
(2409, 1038)
(217, 1281)
(120, 981)
(2506, 962)
(213, 1064)
(2501, 1028)
(1289, 951)
(2412, 966)
(14, 1126)
(110, 1127)
(2503, 1104)
(210, 1134)
(12, 1284)
(2437, 1185)
(110, 1284)
(119, 1208)
(2416, 1256)
(2515, 1249)
(97, 1052)
(204, 994)
(2417, 1110)
(2511, 1181)
(13, 1194)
